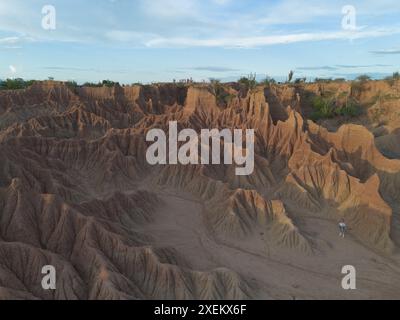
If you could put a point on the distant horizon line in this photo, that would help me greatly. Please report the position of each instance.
(278, 79)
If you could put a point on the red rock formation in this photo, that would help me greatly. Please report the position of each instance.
(76, 190)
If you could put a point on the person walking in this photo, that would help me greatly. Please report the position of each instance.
(342, 228)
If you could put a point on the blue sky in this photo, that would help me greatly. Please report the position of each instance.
(160, 40)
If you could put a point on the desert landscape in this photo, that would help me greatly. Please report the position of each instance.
(76, 192)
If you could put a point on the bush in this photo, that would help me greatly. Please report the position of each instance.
(323, 80)
(249, 82)
(104, 83)
(109, 83)
(268, 81)
(71, 84)
(223, 98)
(324, 108)
(300, 80)
(350, 109)
(363, 78)
(15, 84)
(92, 84)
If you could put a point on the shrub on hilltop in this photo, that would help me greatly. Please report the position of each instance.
(15, 84)
(249, 82)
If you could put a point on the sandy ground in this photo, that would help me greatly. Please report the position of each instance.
(277, 273)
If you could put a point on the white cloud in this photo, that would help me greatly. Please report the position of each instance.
(250, 42)
(184, 23)
(387, 51)
(9, 40)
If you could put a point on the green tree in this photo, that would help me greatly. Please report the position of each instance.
(363, 78)
(109, 83)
